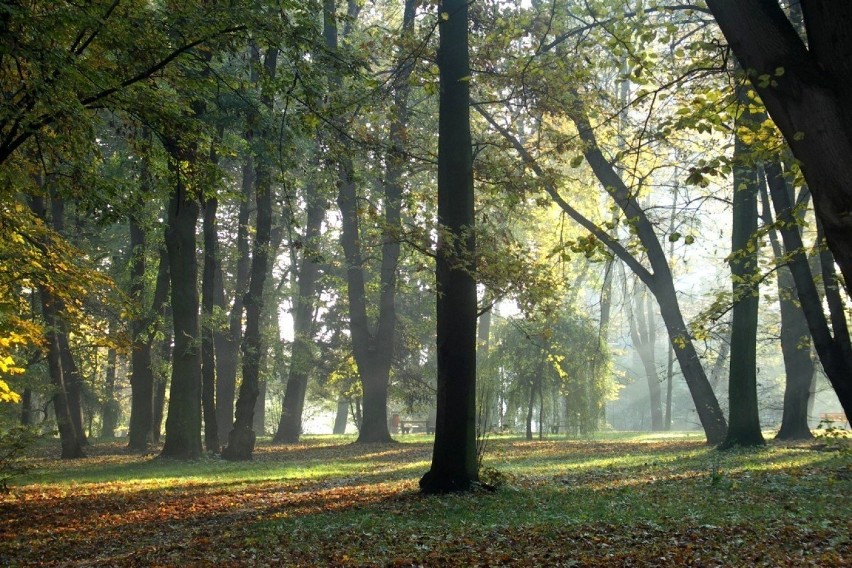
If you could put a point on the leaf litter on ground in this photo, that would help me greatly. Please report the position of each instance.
(328, 502)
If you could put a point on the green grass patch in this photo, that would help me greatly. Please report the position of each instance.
(620, 498)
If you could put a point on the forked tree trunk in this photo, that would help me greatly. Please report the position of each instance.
(833, 351)
(68, 437)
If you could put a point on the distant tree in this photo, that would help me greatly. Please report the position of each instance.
(454, 465)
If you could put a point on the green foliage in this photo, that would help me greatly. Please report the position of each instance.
(14, 442)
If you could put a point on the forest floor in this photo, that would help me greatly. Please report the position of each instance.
(617, 501)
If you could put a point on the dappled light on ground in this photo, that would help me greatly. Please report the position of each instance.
(564, 503)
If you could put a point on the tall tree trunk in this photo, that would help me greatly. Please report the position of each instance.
(68, 436)
(795, 343)
(744, 417)
(340, 417)
(302, 356)
(659, 282)
(373, 351)
(831, 351)
(454, 464)
(209, 287)
(141, 374)
(227, 353)
(110, 410)
(183, 422)
(72, 376)
(809, 97)
(241, 439)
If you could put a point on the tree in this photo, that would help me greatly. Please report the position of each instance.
(795, 338)
(242, 437)
(454, 466)
(183, 420)
(743, 420)
(807, 90)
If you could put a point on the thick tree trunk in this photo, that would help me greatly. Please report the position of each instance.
(183, 422)
(808, 93)
(227, 353)
(241, 439)
(454, 464)
(744, 418)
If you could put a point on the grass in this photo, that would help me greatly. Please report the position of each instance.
(620, 499)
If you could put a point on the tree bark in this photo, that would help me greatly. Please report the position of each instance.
(210, 272)
(183, 422)
(228, 359)
(69, 439)
(744, 418)
(831, 351)
(302, 357)
(341, 416)
(72, 376)
(241, 439)
(141, 375)
(795, 343)
(454, 464)
(808, 93)
(110, 410)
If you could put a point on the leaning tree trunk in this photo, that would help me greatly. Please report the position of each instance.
(241, 439)
(832, 350)
(454, 464)
(72, 376)
(183, 422)
(795, 342)
(808, 93)
(68, 437)
(659, 282)
(744, 417)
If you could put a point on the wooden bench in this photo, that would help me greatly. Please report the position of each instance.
(832, 418)
(408, 426)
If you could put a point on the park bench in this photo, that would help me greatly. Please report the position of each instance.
(832, 418)
(409, 426)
